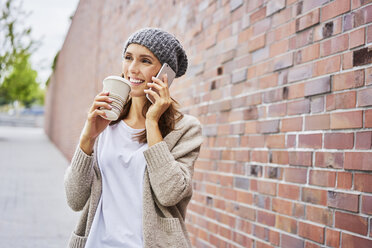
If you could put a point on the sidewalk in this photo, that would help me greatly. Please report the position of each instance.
(33, 210)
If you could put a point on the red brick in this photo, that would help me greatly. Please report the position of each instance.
(310, 140)
(367, 204)
(345, 201)
(258, 15)
(351, 241)
(298, 107)
(312, 232)
(251, 127)
(298, 210)
(301, 39)
(289, 191)
(332, 238)
(315, 196)
(283, 61)
(351, 222)
(266, 188)
(329, 160)
(271, 126)
(308, 53)
(362, 16)
(344, 120)
(364, 97)
(319, 215)
(296, 91)
(274, 237)
(279, 47)
(285, 30)
(344, 100)
(300, 158)
(298, 73)
(357, 38)
(368, 73)
(317, 122)
(291, 124)
(311, 245)
(327, 65)
(347, 60)
(245, 35)
(245, 212)
(291, 141)
(268, 81)
(317, 104)
(309, 5)
(266, 218)
(358, 3)
(282, 206)
(322, 178)
(279, 157)
(344, 180)
(275, 141)
(286, 224)
(335, 8)
(362, 182)
(290, 241)
(307, 20)
(368, 118)
(263, 245)
(295, 175)
(318, 86)
(257, 43)
(358, 161)
(363, 140)
(334, 45)
(244, 197)
(252, 141)
(348, 80)
(259, 156)
(339, 140)
(369, 34)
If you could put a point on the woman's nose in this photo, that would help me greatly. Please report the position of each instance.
(133, 67)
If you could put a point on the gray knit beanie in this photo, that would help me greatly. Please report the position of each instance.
(163, 45)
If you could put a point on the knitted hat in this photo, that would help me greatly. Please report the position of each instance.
(163, 45)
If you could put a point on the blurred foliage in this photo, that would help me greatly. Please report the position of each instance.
(21, 85)
(17, 78)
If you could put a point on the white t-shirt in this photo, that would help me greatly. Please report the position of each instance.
(118, 220)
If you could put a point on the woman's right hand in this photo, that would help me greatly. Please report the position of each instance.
(95, 124)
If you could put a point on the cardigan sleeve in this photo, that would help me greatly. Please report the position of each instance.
(78, 179)
(170, 177)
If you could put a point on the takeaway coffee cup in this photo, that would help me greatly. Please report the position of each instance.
(118, 89)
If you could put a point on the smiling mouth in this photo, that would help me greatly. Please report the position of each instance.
(136, 81)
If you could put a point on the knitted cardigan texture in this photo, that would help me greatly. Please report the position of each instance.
(167, 187)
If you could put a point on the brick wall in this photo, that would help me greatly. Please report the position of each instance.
(283, 90)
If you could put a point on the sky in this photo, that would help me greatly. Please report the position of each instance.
(50, 21)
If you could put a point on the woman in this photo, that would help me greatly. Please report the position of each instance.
(132, 177)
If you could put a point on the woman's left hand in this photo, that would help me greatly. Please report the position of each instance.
(162, 99)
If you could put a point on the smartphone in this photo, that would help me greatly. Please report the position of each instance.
(165, 69)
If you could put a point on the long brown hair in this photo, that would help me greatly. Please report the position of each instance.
(167, 121)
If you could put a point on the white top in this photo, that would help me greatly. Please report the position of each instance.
(118, 219)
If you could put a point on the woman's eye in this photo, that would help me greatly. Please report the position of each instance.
(127, 57)
(146, 61)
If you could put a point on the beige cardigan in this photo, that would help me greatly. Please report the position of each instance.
(167, 187)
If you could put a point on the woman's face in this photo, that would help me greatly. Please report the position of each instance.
(139, 66)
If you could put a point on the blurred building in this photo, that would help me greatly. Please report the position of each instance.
(283, 90)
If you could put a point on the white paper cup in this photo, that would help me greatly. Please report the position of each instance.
(119, 89)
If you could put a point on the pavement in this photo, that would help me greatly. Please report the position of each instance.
(33, 209)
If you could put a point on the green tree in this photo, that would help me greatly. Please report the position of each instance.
(21, 84)
(17, 78)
